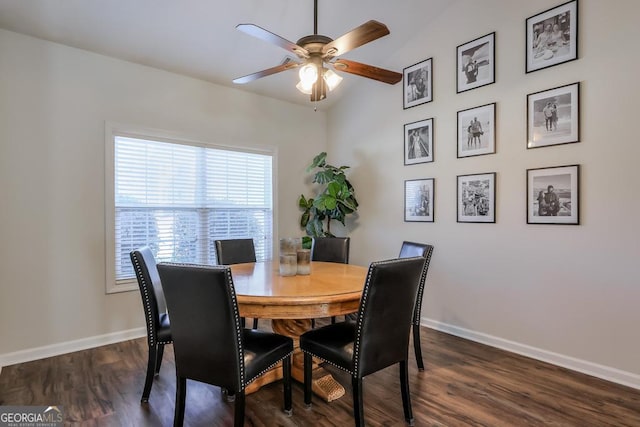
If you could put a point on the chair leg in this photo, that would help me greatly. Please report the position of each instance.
(307, 378)
(151, 369)
(181, 394)
(238, 418)
(286, 377)
(255, 323)
(313, 323)
(333, 319)
(417, 347)
(404, 389)
(358, 410)
(159, 355)
(242, 321)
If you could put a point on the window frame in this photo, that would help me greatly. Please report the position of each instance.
(113, 130)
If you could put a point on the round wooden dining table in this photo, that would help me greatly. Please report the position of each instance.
(290, 302)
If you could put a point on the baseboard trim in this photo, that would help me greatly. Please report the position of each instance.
(600, 371)
(69, 346)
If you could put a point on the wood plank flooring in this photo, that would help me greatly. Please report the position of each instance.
(464, 384)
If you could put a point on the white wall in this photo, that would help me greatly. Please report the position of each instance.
(54, 101)
(568, 294)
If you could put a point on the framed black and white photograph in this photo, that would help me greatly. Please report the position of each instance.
(553, 116)
(418, 142)
(553, 195)
(418, 200)
(475, 62)
(477, 131)
(476, 197)
(552, 37)
(417, 84)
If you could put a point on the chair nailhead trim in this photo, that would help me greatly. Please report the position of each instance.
(329, 362)
(144, 287)
(423, 279)
(268, 368)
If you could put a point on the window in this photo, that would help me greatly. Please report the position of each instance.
(179, 197)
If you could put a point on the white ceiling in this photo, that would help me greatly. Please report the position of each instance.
(198, 37)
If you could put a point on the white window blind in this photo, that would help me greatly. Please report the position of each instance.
(179, 198)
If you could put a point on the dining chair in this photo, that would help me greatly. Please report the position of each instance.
(236, 251)
(380, 336)
(209, 343)
(330, 249)
(155, 312)
(411, 249)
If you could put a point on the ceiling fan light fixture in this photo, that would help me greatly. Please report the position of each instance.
(332, 79)
(302, 87)
(308, 74)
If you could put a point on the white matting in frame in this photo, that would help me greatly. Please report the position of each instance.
(552, 37)
(553, 116)
(477, 131)
(475, 62)
(553, 195)
(418, 200)
(476, 195)
(418, 142)
(417, 84)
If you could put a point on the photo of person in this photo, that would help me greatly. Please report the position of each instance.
(553, 195)
(418, 200)
(553, 116)
(476, 131)
(551, 37)
(418, 142)
(417, 84)
(476, 198)
(475, 61)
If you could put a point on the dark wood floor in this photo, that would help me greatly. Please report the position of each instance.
(464, 384)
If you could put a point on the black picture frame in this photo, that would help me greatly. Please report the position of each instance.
(553, 116)
(417, 84)
(419, 197)
(477, 140)
(561, 209)
(418, 142)
(476, 63)
(546, 45)
(476, 198)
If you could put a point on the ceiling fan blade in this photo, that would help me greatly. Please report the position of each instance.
(264, 73)
(365, 33)
(368, 71)
(268, 36)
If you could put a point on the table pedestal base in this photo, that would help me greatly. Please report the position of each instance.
(323, 384)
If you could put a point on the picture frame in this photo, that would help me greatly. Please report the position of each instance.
(418, 142)
(476, 198)
(419, 200)
(553, 116)
(475, 63)
(417, 84)
(552, 37)
(476, 131)
(553, 195)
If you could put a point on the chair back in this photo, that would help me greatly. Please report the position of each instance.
(151, 291)
(205, 324)
(330, 249)
(235, 251)
(385, 314)
(411, 249)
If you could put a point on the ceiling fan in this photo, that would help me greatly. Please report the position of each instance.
(318, 54)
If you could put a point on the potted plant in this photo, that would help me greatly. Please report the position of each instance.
(335, 200)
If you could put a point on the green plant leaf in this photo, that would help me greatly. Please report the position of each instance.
(318, 161)
(334, 189)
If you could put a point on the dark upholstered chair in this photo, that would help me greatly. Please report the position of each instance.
(236, 251)
(330, 249)
(155, 312)
(209, 343)
(412, 249)
(377, 339)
